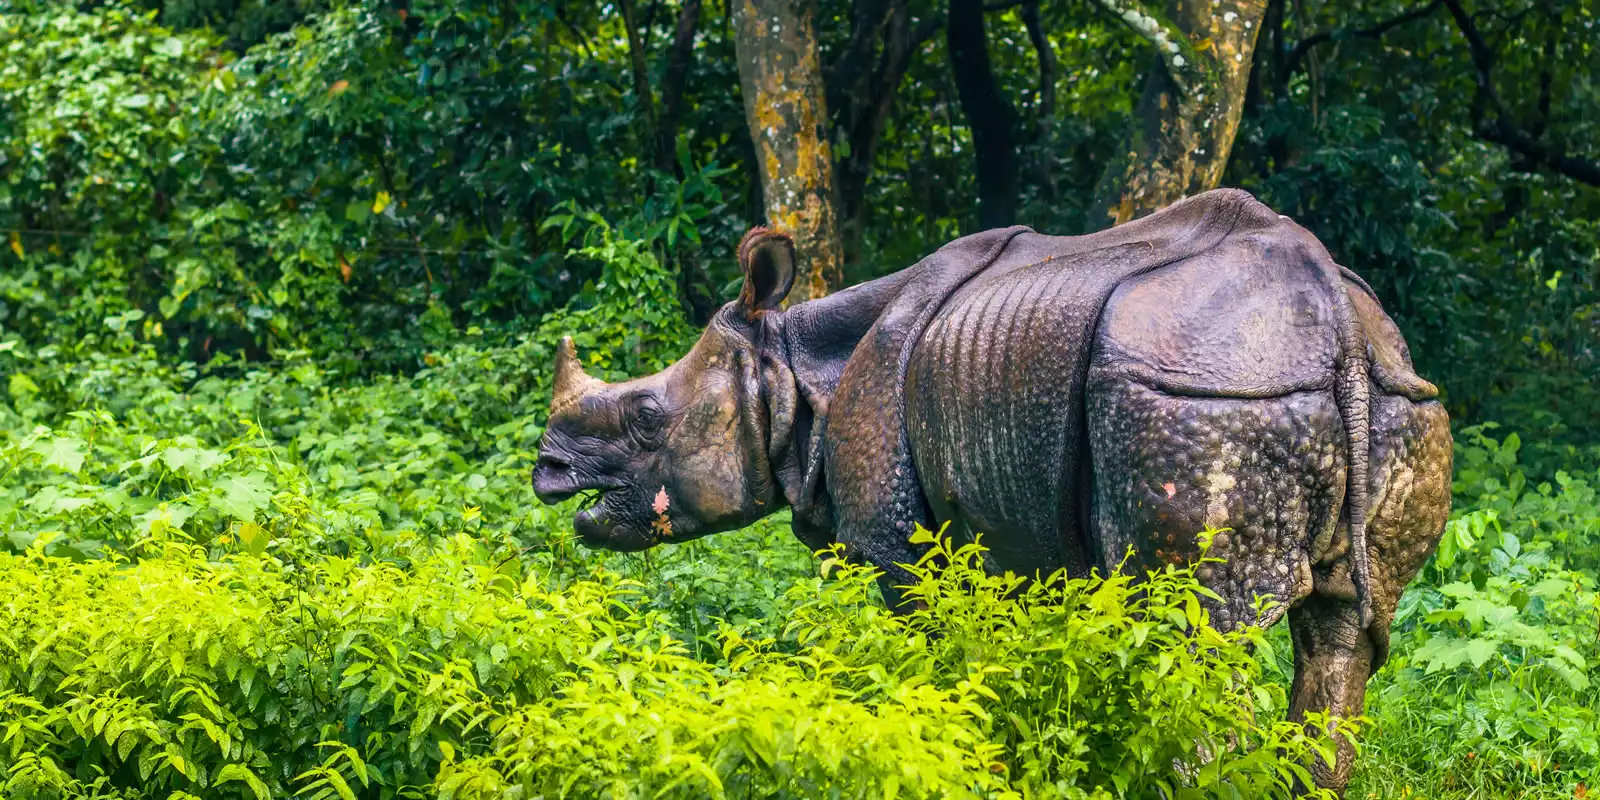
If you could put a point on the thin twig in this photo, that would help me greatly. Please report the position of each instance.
(1503, 129)
(1301, 49)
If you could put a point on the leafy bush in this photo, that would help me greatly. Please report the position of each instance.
(97, 165)
(323, 192)
(1097, 688)
(466, 675)
(1496, 648)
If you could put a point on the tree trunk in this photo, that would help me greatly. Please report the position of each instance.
(680, 61)
(781, 80)
(1047, 61)
(860, 100)
(1184, 125)
(640, 71)
(990, 116)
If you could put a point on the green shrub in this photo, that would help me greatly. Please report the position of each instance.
(200, 454)
(465, 675)
(1496, 646)
(98, 156)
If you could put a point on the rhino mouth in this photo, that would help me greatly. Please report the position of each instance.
(589, 498)
(604, 522)
(611, 513)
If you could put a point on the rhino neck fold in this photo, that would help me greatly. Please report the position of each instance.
(803, 351)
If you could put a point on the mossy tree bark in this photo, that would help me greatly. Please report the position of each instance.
(785, 107)
(1185, 121)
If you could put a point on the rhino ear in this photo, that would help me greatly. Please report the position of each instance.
(767, 258)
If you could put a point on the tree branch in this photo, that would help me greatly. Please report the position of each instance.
(868, 21)
(1047, 60)
(675, 80)
(990, 116)
(861, 94)
(1292, 62)
(641, 75)
(1503, 129)
(1171, 45)
(926, 29)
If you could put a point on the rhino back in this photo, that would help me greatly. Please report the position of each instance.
(1251, 318)
(997, 387)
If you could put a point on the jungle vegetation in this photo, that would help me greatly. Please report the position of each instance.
(279, 294)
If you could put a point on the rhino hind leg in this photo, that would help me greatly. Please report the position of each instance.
(1273, 470)
(1165, 466)
(1333, 658)
(1411, 451)
(1410, 488)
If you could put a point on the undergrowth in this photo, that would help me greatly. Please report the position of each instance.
(467, 675)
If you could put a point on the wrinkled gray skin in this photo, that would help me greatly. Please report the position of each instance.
(1208, 366)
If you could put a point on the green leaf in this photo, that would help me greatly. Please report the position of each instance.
(253, 537)
(193, 461)
(339, 785)
(241, 496)
(171, 47)
(61, 452)
(1479, 651)
(21, 386)
(52, 501)
(239, 772)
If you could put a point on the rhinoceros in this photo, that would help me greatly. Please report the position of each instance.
(1069, 397)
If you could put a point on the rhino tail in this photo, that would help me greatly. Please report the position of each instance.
(1353, 394)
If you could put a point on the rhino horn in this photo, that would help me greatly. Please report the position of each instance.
(571, 382)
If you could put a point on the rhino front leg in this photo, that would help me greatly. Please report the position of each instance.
(888, 554)
(1332, 660)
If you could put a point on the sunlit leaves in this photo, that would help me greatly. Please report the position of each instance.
(61, 452)
(242, 496)
(240, 675)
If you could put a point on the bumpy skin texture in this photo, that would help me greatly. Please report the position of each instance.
(1073, 399)
(1410, 484)
(1269, 470)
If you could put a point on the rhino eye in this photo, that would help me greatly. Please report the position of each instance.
(646, 419)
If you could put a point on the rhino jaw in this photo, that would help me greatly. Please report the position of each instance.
(603, 520)
(606, 525)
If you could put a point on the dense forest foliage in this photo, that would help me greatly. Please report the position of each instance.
(279, 296)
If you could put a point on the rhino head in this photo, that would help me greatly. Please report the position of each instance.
(687, 451)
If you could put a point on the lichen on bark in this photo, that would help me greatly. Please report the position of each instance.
(1188, 114)
(780, 77)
